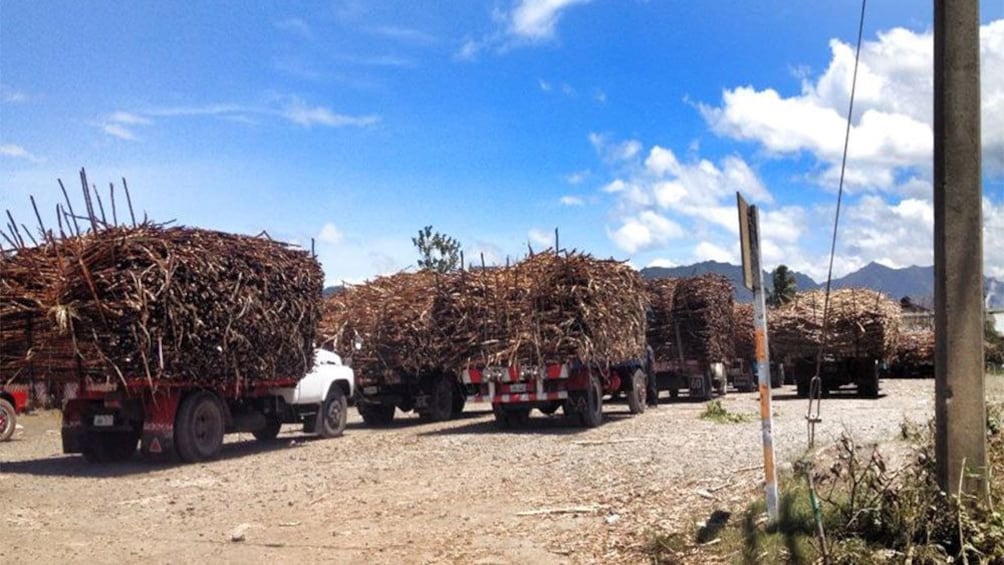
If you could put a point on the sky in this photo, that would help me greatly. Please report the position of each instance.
(626, 125)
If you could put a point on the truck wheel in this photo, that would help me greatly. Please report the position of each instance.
(441, 400)
(271, 430)
(8, 420)
(802, 386)
(376, 415)
(198, 428)
(334, 412)
(869, 386)
(593, 415)
(109, 447)
(459, 400)
(638, 395)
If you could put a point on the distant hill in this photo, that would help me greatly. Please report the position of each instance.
(732, 272)
(331, 290)
(915, 282)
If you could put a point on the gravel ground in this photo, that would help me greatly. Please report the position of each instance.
(453, 492)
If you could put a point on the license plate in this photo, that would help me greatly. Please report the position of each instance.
(104, 420)
(371, 390)
(517, 387)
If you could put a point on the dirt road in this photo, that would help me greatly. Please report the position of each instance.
(454, 492)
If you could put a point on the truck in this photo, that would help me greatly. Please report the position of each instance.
(701, 379)
(436, 396)
(575, 386)
(105, 420)
(836, 371)
(13, 400)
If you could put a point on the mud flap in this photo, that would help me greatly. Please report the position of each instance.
(72, 430)
(157, 441)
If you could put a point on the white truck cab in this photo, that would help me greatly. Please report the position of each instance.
(319, 400)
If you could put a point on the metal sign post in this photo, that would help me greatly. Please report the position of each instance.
(749, 236)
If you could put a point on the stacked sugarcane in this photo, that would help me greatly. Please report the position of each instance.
(662, 331)
(549, 307)
(703, 309)
(915, 347)
(743, 331)
(862, 324)
(391, 319)
(154, 302)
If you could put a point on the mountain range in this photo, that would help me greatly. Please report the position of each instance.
(915, 282)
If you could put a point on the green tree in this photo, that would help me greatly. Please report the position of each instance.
(439, 252)
(783, 286)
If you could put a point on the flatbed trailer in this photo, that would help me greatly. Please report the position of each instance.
(575, 387)
(836, 372)
(701, 379)
(105, 420)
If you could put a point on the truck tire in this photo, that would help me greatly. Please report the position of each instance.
(8, 420)
(592, 416)
(802, 386)
(271, 430)
(440, 406)
(333, 416)
(376, 415)
(637, 397)
(109, 447)
(868, 386)
(199, 427)
(459, 400)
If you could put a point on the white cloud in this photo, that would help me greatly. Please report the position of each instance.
(664, 263)
(645, 230)
(407, 35)
(567, 89)
(993, 239)
(119, 131)
(707, 251)
(544, 85)
(11, 96)
(330, 234)
(892, 128)
(18, 152)
(600, 97)
(569, 200)
(577, 177)
(536, 20)
(306, 115)
(541, 237)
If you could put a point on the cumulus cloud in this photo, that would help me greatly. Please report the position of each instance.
(569, 200)
(539, 237)
(536, 20)
(707, 251)
(330, 234)
(646, 230)
(660, 262)
(577, 177)
(526, 22)
(892, 128)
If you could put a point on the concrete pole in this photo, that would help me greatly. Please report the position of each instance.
(960, 405)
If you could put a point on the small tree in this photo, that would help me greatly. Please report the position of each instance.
(439, 252)
(784, 286)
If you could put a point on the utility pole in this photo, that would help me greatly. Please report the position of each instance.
(749, 240)
(960, 397)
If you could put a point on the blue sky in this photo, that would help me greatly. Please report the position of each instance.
(628, 125)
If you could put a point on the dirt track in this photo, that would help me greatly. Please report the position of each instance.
(453, 492)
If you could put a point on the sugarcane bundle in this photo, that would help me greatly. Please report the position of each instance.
(862, 323)
(174, 303)
(661, 332)
(703, 310)
(392, 318)
(915, 347)
(23, 276)
(743, 331)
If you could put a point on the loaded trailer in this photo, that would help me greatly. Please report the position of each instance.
(433, 395)
(577, 388)
(105, 420)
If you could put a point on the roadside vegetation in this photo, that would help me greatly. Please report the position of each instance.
(715, 412)
(872, 510)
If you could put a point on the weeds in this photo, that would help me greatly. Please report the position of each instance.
(715, 412)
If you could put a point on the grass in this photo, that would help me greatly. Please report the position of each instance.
(715, 412)
(871, 512)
